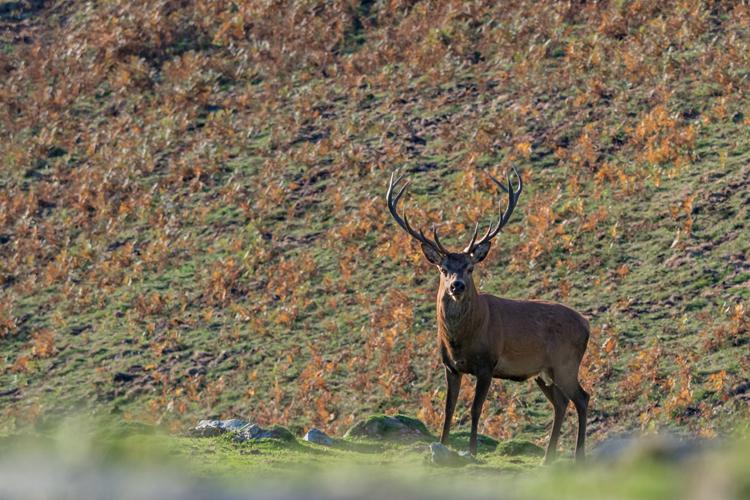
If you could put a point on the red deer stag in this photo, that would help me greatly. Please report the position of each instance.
(492, 337)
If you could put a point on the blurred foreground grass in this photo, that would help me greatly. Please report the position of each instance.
(81, 461)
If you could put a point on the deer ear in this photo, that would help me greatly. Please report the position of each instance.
(432, 255)
(480, 252)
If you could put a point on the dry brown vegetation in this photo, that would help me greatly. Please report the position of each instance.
(192, 222)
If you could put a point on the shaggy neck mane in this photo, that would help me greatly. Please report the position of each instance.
(456, 317)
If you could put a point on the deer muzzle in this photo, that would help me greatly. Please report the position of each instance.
(457, 288)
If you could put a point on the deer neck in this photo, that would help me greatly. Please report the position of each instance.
(458, 318)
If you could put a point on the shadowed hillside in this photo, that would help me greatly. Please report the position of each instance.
(192, 215)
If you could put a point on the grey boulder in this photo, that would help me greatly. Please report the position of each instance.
(386, 427)
(210, 428)
(318, 437)
(254, 432)
(660, 447)
(443, 456)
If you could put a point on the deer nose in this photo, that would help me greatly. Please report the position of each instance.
(458, 287)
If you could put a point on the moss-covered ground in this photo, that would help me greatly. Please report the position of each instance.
(219, 467)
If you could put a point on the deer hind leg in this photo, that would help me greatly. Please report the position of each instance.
(580, 398)
(560, 404)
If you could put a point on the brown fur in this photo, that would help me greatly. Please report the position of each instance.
(492, 337)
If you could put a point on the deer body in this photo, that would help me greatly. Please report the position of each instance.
(517, 339)
(492, 337)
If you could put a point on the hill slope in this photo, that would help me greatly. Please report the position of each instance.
(192, 218)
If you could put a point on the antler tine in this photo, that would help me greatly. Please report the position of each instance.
(473, 238)
(437, 240)
(404, 222)
(499, 184)
(513, 195)
(391, 185)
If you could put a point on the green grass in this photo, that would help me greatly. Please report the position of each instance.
(220, 463)
(235, 356)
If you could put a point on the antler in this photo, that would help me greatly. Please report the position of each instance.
(404, 222)
(513, 195)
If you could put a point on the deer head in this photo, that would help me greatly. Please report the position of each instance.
(455, 267)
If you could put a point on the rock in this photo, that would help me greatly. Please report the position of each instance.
(460, 440)
(254, 432)
(396, 427)
(209, 428)
(445, 457)
(661, 447)
(518, 447)
(318, 437)
(242, 430)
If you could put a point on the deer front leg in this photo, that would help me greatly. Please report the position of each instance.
(480, 394)
(453, 378)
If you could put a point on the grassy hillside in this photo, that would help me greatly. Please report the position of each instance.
(192, 216)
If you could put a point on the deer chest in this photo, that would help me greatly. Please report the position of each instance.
(466, 360)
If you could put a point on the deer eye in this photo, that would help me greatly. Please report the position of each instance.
(470, 269)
